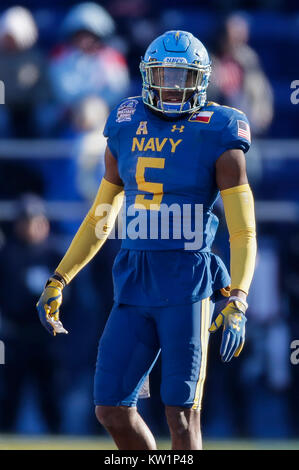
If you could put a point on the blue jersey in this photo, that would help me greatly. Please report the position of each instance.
(168, 170)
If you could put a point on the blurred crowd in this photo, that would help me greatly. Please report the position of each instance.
(64, 66)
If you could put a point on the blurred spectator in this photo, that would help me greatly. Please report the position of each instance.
(31, 355)
(84, 64)
(237, 79)
(139, 22)
(89, 118)
(79, 176)
(23, 71)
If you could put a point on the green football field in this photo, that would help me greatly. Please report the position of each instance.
(75, 443)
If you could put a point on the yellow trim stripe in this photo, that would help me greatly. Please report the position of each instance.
(212, 103)
(205, 355)
(204, 339)
(202, 323)
(235, 109)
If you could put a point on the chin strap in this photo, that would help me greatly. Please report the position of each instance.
(172, 107)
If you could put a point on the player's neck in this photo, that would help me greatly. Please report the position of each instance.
(163, 116)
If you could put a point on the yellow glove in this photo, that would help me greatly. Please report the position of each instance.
(48, 307)
(233, 320)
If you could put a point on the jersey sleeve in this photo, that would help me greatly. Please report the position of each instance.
(236, 133)
(111, 132)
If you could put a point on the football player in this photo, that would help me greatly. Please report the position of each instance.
(170, 152)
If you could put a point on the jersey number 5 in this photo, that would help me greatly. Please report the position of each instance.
(155, 188)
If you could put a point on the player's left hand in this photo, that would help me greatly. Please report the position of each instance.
(233, 320)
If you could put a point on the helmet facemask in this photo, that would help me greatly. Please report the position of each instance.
(174, 89)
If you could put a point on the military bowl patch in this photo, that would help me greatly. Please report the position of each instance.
(126, 110)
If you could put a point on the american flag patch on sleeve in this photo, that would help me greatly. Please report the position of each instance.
(244, 130)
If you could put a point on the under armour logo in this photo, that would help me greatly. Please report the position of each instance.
(175, 128)
(235, 320)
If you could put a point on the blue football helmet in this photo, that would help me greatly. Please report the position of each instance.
(175, 72)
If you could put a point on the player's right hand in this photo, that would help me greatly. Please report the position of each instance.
(48, 307)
